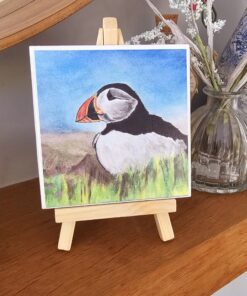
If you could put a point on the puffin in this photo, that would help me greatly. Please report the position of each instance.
(132, 136)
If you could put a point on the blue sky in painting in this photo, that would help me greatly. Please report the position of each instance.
(65, 79)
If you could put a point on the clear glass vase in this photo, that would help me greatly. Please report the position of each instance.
(219, 143)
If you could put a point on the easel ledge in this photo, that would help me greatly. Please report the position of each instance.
(110, 34)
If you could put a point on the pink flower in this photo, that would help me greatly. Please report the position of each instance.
(194, 6)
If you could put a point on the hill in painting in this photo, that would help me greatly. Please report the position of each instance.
(73, 175)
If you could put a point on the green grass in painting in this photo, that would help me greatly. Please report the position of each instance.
(162, 178)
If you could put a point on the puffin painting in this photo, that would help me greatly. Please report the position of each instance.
(132, 136)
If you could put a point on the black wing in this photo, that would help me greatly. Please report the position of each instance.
(166, 129)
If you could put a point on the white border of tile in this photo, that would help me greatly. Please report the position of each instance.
(32, 50)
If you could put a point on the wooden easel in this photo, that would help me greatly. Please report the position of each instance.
(110, 34)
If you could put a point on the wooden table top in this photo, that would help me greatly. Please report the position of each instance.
(121, 256)
(21, 19)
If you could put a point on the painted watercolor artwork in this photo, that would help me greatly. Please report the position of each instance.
(112, 123)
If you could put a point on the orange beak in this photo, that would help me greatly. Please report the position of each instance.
(88, 112)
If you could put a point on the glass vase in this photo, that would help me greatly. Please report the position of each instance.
(219, 143)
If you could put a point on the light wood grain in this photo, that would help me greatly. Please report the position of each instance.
(66, 236)
(100, 38)
(110, 31)
(122, 256)
(164, 226)
(120, 37)
(115, 210)
(9, 6)
(22, 19)
(110, 34)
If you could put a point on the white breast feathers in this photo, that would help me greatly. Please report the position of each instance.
(118, 152)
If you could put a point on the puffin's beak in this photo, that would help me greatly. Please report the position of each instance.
(88, 112)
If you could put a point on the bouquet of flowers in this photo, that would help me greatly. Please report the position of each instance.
(202, 55)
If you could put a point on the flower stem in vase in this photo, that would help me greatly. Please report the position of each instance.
(203, 51)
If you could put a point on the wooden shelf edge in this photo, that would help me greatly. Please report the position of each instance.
(209, 251)
(206, 267)
(43, 24)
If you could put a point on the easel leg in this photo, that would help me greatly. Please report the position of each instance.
(164, 226)
(66, 236)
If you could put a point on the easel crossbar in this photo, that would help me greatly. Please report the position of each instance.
(115, 210)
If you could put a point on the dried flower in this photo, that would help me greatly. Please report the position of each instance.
(153, 36)
(218, 25)
(191, 31)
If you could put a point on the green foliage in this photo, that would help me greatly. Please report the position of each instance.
(162, 178)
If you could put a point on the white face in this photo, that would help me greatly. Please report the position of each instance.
(115, 104)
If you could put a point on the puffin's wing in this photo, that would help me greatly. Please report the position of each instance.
(166, 129)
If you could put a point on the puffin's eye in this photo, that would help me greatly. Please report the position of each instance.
(110, 96)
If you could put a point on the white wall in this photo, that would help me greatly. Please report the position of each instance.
(17, 138)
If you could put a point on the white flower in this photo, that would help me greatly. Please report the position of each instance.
(153, 36)
(191, 31)
(218, 25)
(177, 4)
(187, 7)
(196, 63)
